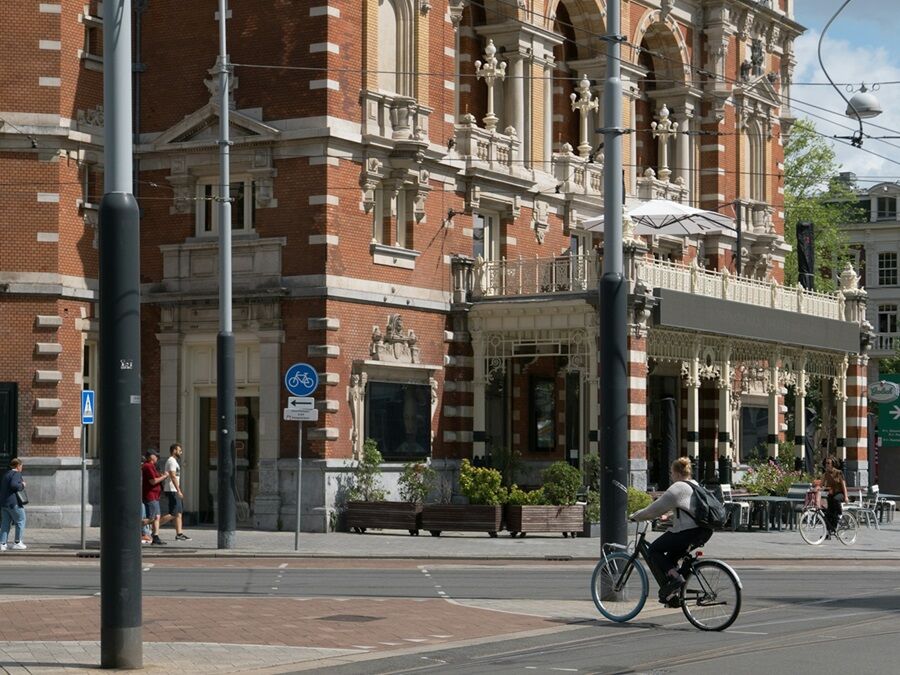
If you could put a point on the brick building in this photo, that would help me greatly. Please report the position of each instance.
(411, 181)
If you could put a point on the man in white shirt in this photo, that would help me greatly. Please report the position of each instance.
(174, 497)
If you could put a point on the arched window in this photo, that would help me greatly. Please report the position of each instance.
(757, 155)
(396, 62)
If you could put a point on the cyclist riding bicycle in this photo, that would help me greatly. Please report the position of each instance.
(685, 534)
(836, 488)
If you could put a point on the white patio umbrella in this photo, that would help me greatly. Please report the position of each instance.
(661, 216)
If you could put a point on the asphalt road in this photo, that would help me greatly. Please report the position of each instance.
(822, 619)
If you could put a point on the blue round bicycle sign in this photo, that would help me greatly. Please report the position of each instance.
(301, 379)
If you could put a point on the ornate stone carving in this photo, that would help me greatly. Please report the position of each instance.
(396, 345)
(369, 181)
(540, 220)
(212, 85)
(92, 117)
(356, 396)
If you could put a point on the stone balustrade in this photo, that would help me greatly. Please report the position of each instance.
(486, 149)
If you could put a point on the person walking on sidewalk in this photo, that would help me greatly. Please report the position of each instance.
(151, 487)
(12, 502)
(173, 493)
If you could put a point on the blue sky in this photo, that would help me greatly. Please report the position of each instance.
(862, 45)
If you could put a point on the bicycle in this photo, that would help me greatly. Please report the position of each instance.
(710, 597)
(814, 528)
(298, 378)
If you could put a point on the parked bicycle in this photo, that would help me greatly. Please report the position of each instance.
(814, 524)
(710, 597)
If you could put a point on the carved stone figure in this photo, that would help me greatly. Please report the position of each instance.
(395, 345)
(356, 396)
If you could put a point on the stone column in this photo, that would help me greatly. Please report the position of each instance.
(800, 412)
(683, 155)
(857, 447)
(478, 386)
(171, 417)
(548, 118)
(514, 99)
(724, 385)
(637, 406)
(774, 392)
(267, 502)
(691, 376)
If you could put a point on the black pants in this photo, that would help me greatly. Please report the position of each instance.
(834, 511)
(670, 546)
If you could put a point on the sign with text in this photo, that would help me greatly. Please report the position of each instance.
(889, 416)
(308, 415)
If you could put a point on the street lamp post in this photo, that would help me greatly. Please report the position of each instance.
(613, 357)
(119, 405)
(227, 516)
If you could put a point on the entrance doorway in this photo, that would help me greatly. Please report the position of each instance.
(246, 458)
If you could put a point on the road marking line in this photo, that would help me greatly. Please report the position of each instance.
(415, 640)
(282, 566)
(391, 644)
(274, 588)
(441, 636)
(747, 632)
(566, 670)
(362, 647)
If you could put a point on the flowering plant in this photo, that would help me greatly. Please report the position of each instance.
(769, 478)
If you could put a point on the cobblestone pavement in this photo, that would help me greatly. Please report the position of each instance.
(243, 635)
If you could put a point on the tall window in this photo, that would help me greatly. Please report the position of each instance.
(757, 164)
(243, 206)
(378, 217)
(395, 47)
(887, 208)
(887, 319)
(486, 236)
(887, 269)
(543, 413)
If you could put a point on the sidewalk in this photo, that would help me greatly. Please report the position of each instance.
(872, 544)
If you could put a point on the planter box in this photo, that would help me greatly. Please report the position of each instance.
(565, 519)
(462, 518)
(590, 530)
(383, 516)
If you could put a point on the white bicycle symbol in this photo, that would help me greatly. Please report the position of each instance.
(300, 378)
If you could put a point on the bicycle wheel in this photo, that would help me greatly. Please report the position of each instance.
(711, 598)
(619, 589)
(847, 529)
(812, 527)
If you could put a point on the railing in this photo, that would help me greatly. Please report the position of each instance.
(577, 175)
(725, 286)
(486, 149)
(887, 343)
(480, 279)
(475, 280)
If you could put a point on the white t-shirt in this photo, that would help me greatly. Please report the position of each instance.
(172, 465)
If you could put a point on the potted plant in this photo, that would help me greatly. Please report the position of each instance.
(484, 512)
(557, 510)
(366, 505)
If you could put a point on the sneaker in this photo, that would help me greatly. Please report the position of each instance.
(19, 546)
(145, 539)
(181, 536)
(670, 590)
(2, 547)
(157, 541)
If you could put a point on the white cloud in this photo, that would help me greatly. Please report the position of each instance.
(848, 62)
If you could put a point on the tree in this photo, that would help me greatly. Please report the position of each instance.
(812, 192)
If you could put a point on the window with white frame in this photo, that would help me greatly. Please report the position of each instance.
(243, 206)
(887, 319)
(486, 236)
(401, 223)
(887, 269)
(757, 164)
(92, 52)
(887, 208)
(378, 217)
(396, 62)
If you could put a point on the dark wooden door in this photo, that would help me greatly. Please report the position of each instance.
(9, 401)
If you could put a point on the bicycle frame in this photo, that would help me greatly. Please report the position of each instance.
(642, 549)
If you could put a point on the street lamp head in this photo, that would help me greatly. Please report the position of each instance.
(863, 104)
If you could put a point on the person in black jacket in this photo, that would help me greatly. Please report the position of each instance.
(10, 502)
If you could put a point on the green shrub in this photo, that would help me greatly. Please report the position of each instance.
(591, 471)
(481, 485)
(592, 508)
(416, 482)
(507, 462)
(518, 497)
(367, 475)
(637, 500)
(561, 483)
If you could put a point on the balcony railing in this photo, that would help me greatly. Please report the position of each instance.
(887, 343)
(725, 286)
(484, 149)
(475, 280)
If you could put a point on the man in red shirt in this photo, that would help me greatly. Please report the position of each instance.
(151, 488)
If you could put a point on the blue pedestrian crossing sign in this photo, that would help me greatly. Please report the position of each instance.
(87, 406)
(301, 379)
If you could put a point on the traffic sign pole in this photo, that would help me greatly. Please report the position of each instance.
(301, 380)
(299, 483)
(83, 485)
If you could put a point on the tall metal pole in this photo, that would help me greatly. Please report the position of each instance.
(299, 484)
(613, 290)
(83, 487)
(227, 517)
(120, 364)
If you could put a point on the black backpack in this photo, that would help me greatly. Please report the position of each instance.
(708, 511)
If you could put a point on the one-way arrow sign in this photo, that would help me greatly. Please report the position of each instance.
(301, 403)
(895, 412)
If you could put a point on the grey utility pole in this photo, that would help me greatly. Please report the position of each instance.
(613, 290)
(119, 406)
(227, 516)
